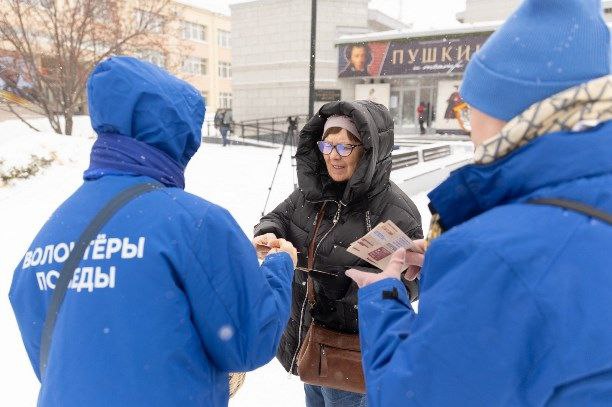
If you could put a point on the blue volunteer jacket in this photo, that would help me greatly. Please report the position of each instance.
(170, 297)
(516, 299)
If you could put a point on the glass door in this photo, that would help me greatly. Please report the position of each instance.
(408, 116)
(428, 97)
(395, 107)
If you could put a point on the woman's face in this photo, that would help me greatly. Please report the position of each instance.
(339, 168)
(358, 58)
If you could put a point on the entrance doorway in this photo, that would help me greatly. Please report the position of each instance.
(403, 107)
(409, 119)
(428, 97)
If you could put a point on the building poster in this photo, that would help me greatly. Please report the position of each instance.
(446, 54)
(376, 92)
(452, 113)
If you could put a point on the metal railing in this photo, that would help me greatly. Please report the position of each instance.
(274, 130)
(260, 132)
(208, 129)
(270, 129)
(407, 159)
(436, 152)
(403, 160)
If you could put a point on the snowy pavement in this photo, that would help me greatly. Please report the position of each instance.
(236, 178)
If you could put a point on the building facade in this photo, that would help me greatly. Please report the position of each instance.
(271, 47)
(196, 46)
(417, 74)
(191, 42)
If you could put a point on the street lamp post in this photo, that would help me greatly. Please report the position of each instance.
(313, 46)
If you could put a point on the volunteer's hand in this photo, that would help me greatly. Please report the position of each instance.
(264, 243)
(414, 260)
(287, 247)
(399, 260)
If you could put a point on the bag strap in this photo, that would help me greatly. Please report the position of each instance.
(310, 292)
(75, 257)
(574, 206)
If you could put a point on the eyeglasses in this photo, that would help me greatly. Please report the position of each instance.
(344, 150)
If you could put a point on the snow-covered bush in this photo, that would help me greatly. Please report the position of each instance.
(13, 171)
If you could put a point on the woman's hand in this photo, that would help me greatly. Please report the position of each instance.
(399, 260)
(264, 243)
(287, 247)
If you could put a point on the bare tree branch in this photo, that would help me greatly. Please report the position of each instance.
(13, 111)
(55, 43)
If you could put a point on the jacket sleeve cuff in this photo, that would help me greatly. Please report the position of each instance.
(267, 227)
(280, 257)
(384, 290)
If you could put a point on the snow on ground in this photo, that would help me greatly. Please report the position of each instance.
(19, 143)
(24, 207)
(235, 177)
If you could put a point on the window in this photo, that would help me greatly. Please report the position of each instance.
(608, 10)
(193, 31)
(154, 22)
(153, 57)
(224, 38)
(225, 100)
(225, 70)
(195, 66)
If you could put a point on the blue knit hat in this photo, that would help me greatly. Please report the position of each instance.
(545, 47)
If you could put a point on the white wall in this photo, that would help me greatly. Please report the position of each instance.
(270, 52)
(497, 10)
(489, 10)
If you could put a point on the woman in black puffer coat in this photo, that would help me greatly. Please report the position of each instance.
(351, 209)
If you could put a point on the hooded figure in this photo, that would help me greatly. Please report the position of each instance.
(515, 303)
(170, 296)
(351, 209)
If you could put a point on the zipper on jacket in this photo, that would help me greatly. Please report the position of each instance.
(297, 350)
(334, 222)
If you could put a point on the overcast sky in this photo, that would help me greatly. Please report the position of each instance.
(423, 13)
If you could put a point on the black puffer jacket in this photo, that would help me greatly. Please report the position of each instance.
(351, 209)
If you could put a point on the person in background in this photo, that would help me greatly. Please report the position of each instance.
(170, 297)
(226, 125)
(218, 119)
(515, 306)
(422, 116)
(343, 165)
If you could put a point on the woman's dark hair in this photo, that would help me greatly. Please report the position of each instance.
(349, 51)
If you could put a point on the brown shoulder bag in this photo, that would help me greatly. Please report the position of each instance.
(328, 358)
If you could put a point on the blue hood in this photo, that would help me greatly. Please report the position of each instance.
(548, 161)
(139, 100)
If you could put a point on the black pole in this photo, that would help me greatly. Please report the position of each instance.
(313, 47)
